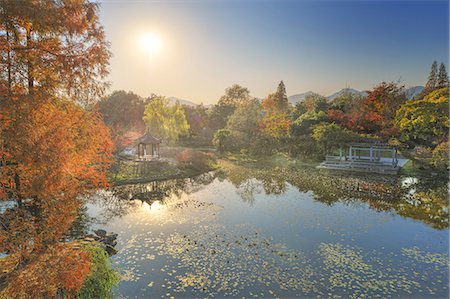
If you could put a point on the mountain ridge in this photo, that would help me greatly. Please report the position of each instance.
(411, 92)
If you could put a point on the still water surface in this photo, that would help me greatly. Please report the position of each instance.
(266, 235)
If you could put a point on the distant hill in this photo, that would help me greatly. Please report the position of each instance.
(344, 91)
(174, 100)
(413, 91)
(300, 96)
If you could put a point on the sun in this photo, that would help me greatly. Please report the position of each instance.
(151, 42)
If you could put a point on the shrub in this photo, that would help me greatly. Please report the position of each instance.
(102, 277)
(196, 161)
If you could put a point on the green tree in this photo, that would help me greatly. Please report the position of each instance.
(304, 124)
(442, 77)
(432, 77)
(346, 102)
(164, 120)
(312, 102)
(234, 96)
(221, 140)
(246, 118)
(102, 277)
(122, 110)
(315, 102)
(297, 111)
(331, 136)
(425, 121)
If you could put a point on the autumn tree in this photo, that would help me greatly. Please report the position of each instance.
(425, 122)
(53, 46)
(53, 146)
(440, 156)
(276, 121)
(373, 114)
(278, 101)
(384, 101)
(54, 52)
(164, 120)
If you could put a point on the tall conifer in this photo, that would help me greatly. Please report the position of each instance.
(432, 77)
(282, 97)
(442, 78)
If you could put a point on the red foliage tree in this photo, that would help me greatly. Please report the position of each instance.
(376, 112)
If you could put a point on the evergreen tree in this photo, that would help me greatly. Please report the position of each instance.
(442, 78)
(432, 77)
(282, 97)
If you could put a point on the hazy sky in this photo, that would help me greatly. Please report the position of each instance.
(312, 45)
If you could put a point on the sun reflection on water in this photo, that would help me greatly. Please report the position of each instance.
(154, 207)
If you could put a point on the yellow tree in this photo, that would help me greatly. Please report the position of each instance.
(164, 120)
(275, 122)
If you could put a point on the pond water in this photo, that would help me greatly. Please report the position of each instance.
(277, 233)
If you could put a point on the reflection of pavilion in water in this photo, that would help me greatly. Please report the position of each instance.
(161, 190)
(148, 192)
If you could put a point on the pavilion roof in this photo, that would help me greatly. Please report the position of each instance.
(371, 144)
(147, 139)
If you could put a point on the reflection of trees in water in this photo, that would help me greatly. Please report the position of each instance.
(81, 225)
(248, 189)
(120, 200)
(424, 199)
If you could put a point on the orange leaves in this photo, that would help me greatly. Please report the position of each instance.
(63, 148)
(51, 150)
(64, 50)
(375, 114)
(61, 269)
(275, 124)
(57, 151)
